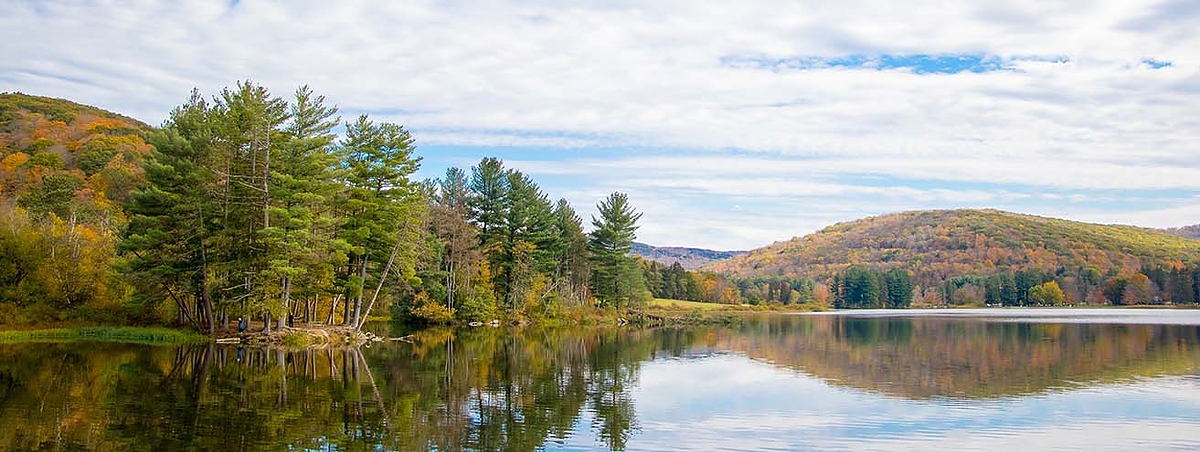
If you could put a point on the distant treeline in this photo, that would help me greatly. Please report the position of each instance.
(1158, 284)
(675, 282)
(864, 286)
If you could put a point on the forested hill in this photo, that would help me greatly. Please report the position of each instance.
(65, 171)
(965, 247)
(688, 258)
(52, 148)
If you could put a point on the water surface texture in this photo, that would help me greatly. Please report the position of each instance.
(989, 380)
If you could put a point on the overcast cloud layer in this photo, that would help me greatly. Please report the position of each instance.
(731, 126)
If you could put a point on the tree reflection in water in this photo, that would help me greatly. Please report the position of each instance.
(486, 389)
(469, 389)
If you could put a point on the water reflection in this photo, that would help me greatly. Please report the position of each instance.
(943, 357)
(776, 382)
(473, 389)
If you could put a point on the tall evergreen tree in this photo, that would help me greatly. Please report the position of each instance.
(573, 270)
(173, 217)
(489, 200)
(303, 186)
(616, 280)
(248, 124)
(899, 288)
(861, 286)
(1008, 289)
(454, 192)
(530, 239)
(381, 209)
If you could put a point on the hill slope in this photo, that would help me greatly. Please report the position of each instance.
(56, 153)
(65, 170)
(941, 244)
(688, 258)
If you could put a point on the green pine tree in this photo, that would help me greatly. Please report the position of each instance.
(616, 279)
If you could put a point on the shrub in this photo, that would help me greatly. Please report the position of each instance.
(295, 339)
(431, 312)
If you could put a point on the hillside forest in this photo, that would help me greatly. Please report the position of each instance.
(973, 258)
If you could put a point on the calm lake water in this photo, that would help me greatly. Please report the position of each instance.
(1011, 380)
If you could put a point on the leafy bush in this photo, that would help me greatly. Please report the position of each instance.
(479, 306)
(39, 145)
(91, 161)
(44, 160)
(429, 311)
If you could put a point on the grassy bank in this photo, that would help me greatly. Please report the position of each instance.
(126, 334)
(669, 304)
(664, 304)
(669, 312)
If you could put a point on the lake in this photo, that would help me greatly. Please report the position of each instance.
(1050, 379)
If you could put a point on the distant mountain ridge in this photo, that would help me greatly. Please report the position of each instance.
(937, 246)
(1191, 232)
(688, 258)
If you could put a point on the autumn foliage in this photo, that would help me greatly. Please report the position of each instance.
(65, 169)
(989, 257)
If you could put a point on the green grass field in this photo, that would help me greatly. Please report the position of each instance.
(126, 334)
(666, 303)
(683, 305)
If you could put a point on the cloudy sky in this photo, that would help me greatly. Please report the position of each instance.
(731, 125)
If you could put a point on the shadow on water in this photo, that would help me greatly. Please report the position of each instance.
(496, 389)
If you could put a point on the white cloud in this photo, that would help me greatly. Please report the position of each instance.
(1080, 112)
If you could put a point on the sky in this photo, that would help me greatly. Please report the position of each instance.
(731, 125)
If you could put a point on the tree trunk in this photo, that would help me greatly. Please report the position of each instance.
(382, 278)
(185, 317)
(346, 311)
(362, 283)
(333, 309)
(287, 295)
(208, 307)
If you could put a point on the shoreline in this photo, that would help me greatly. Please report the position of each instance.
(319, 336)
(152, 335)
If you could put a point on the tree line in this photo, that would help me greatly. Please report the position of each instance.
(865, 287)
(252, 205)
(493, 244)
(1172, 282)
(675, 282)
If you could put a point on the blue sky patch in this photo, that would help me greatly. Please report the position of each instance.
(917, 63)
(1156, 64)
